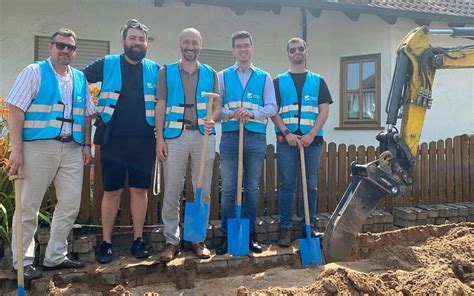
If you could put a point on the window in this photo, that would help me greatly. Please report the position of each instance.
(87, 50)
(217, 59)
(360, 92)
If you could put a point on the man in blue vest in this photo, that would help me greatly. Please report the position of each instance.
(304, 100)
(127, 103)
(50, 138)
(181, 121)
(247, 95)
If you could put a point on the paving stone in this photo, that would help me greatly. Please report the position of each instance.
(453, 211)
(378, 227)
(273, 237)
(462, 209)
(70, 277)
(260, 226)
(111, 278)
(453, 219)
(368, 228)
(133, 270)
(420, 213)
(276, 218)
(272, 224)
(87, 257)
(405, 214)
(369, 220)
(213, 266)
(261, 237)
(43, 236)
(430, 221)
(470, 206)
(421, 221)
(40, 285)
(268, 261)
(443, 210)
(404, 223)
(462, 218)
(84, 244)
(388, 227)
(241, 262)
(157, 235)
(440, 220)
(470, 218)
(381, 216)
(432, 211)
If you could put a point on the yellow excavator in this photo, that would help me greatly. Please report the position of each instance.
(409, 98)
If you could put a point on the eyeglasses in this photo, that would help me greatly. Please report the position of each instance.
(293, 49)
(61, 46)
(133, 24)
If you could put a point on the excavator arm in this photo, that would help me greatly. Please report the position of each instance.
(390, 174)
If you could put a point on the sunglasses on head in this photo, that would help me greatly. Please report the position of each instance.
(293, 50)
(61, 46)
(136, 25)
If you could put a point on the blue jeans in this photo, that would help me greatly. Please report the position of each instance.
(255, 146)
(288, 160)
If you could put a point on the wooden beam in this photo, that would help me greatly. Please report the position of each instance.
(422, 22)
(159, 3)
(389, 19)
(315, 12)
(354, 16)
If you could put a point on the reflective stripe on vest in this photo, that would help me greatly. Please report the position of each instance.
(299, 116)
(112, 85)
(175, 101)
(251, 98)
(43, 119)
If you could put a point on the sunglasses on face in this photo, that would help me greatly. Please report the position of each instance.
(293, 50)
(61, 46)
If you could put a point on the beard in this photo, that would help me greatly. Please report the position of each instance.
(135, 53)
(297, 61)
(192, 58)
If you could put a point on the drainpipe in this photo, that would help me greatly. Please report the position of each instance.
(304, 24)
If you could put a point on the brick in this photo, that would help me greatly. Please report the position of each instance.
(388, 227)
(381, 216)
(239, 262)
(268, 261)
(87, 257)
(261, 237)
(43, 236)
(462, 218)
(470, 206)
(462, 209)
(453, 219)
(470, 218)
(443, 210)
(272, 224)
(440, 220)
(70, 277)
(421, 221)
(111, 278)
(378, 227)
(430, 221)
(213, 266)
(368, 228)
(403, 223)
(453, 211)
(276, 218)
(432, 211)
(84, 244)
(420, 213)
(273, 237)
(157, 235)
(260, 226)
(403, 214)
(40, 285)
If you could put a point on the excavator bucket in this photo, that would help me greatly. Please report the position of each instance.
(361, 197)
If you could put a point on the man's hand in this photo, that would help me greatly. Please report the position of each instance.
(291, 139)
(243, 114)
(86, 154)
(161, 149)
(209, 125)
(307, 139)
(15, 163)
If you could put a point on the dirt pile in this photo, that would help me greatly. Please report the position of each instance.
(416, 260)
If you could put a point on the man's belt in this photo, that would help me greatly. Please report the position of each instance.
(64, 139)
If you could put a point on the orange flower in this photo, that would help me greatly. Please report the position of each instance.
(5, 112)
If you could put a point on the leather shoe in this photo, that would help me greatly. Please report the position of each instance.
(201, 251)
(67, 263)
(222, 248)
(285, 237)
(169, 253)
(31, 272)
(255, 247)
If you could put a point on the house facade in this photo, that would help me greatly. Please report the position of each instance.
(352, 44)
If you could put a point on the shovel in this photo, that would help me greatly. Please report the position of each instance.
(19, 238)
(196, 213)
(238, 229)
(310, 250)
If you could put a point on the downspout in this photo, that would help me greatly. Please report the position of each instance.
(304, 24)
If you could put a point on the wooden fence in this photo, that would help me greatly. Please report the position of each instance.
(444, 173)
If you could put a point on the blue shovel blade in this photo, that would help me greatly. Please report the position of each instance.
(310, 251)
(238, 237)
(195, 221)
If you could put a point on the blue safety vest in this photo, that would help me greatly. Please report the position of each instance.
(251, 98)
(303, 115)
(175, 101)
(45, 116)
(112, 85)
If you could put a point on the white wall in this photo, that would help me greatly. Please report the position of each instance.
(330, 37)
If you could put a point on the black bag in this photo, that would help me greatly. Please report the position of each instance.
(102, 131)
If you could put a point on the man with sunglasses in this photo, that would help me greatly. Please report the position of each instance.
(127, 103)
(248, 96)
(304, 100)
(50, 136)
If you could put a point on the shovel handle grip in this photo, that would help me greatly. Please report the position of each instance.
(240, 170)
(19, 235)
(305, 187)
(202, 163)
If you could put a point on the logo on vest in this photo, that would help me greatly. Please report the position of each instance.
(310, 98)
(252, 96)
(79, 99)
(150, 85)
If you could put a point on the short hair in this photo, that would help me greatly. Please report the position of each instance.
(295, 40)
(133, 24)
(241, 35)
(194, 30)
(65, 32)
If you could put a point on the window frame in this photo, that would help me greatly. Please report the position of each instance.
(344, 122)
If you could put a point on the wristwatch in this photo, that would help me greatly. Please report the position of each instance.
(286, 132)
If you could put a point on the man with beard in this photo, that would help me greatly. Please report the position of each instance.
(304, 100)
(247, 96)
(181, 121)
(50, 137)
(127, 102)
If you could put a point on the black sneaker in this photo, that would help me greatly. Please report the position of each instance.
(105, 253)
(286, 237)
(31, 272)
(138, 249)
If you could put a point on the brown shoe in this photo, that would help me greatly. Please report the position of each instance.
(169, 253)
(201, 251)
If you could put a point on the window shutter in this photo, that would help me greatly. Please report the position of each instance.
(217, 59)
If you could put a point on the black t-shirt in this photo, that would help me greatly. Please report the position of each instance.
(129, 118)
(299, 79)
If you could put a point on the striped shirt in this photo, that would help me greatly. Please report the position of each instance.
(26, 88)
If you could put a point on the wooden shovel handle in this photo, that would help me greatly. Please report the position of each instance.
(202, 163)
(240, 170)
(305, 187)
(19, 233)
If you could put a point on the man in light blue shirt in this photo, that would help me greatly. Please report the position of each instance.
(247, 95)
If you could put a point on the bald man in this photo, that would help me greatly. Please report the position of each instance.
(180, 128)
